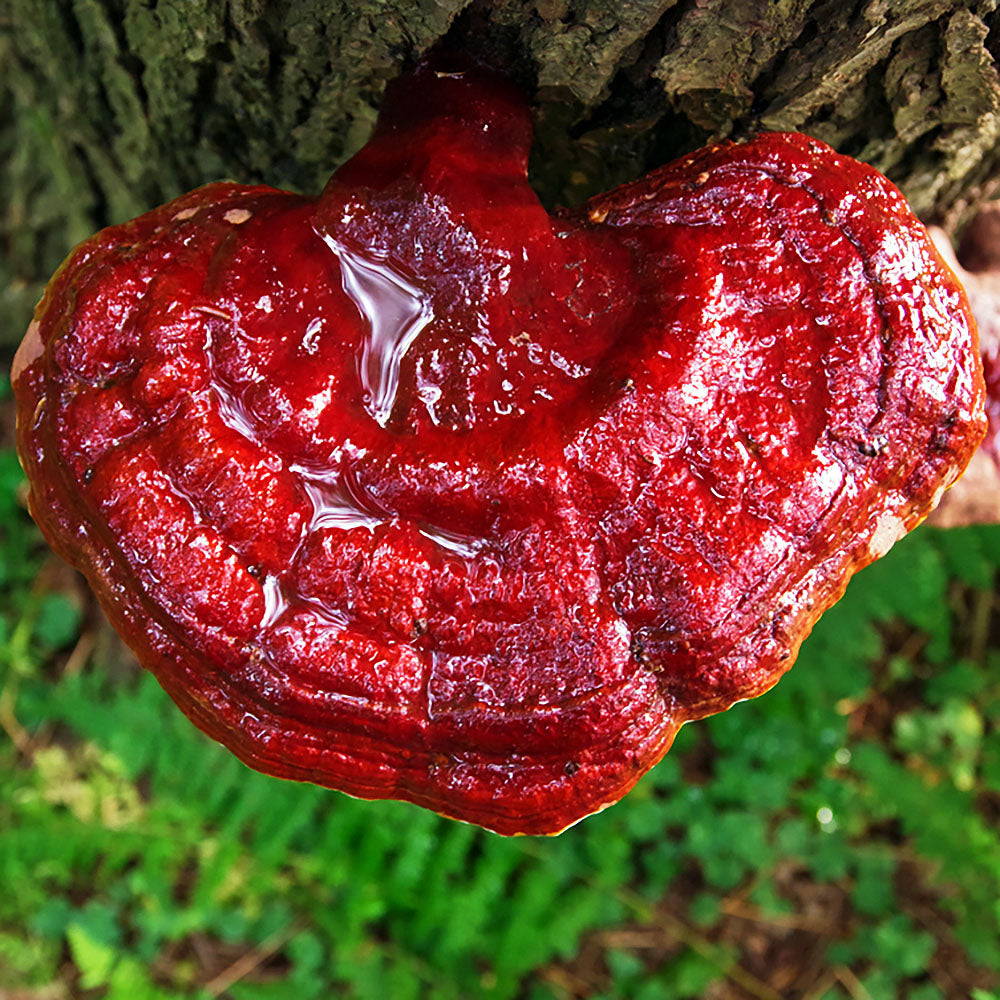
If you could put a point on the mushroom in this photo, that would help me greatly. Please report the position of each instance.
(976, 497)
(414, 490)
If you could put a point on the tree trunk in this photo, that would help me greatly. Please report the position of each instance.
(108, 107)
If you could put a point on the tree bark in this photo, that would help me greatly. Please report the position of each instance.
(109, 107)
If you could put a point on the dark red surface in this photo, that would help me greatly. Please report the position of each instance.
(416, 491)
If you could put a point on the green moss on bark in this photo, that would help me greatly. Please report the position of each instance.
(108, 107)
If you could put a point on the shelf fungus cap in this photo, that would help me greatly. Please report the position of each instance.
(417, 491)
(976, 498)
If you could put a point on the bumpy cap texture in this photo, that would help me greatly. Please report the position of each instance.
(415, 490)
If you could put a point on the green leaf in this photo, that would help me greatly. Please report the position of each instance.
(874, 893)
(924, 991)
(691, 975)
(58, 621)
(704, 909)
(95, 959)
(52, 919)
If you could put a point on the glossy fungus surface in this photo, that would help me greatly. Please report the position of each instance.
(976, 498)
(415, 490)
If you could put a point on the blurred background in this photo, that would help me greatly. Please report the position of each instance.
(837, 838)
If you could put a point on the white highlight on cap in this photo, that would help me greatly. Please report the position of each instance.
(889, 529)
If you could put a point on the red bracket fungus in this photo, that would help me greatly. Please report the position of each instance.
(417, 491)
(976, 498)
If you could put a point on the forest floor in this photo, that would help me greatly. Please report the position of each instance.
(836, 838)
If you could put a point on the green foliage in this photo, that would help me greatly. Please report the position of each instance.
(131, 846)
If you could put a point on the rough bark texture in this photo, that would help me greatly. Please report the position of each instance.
(108, 107)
